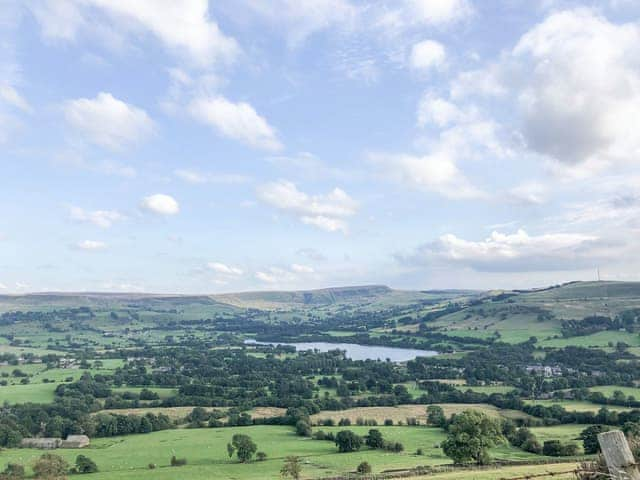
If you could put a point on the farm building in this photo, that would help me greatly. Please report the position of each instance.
(75, 441)
(47, 443)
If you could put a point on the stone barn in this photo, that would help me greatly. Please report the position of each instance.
(75, 441)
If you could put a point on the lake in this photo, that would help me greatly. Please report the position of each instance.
(355, 351)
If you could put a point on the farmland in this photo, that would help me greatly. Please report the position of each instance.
(150, 377)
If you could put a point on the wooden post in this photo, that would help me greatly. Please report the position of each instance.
(617, 454)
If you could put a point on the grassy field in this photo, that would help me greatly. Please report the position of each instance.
(127, 458)
(576, 405)
(402, 412)
(608, 390)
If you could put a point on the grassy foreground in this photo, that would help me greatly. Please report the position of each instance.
(127, 458)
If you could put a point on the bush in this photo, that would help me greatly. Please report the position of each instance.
(261, 456)
(419, 451)
(85, 465)
(152, 466)
(14, 471)
(303, 429)
(178, 462)
(344, 422)
(364, 468)
(50, 467)
(388, 422)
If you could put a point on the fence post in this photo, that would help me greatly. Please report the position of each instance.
(617, 454)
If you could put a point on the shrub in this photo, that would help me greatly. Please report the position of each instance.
(14, 471)
(85, 465)
(419, 451)
(178, 462)
(364, 468)
(388, 422)
(151, 466)
(261, 456)
(50, 467)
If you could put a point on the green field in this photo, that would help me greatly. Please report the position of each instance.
(205, 450)
(576, 405)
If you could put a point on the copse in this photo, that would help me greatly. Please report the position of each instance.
(470, 435)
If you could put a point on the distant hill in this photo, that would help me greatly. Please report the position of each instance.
(323, 296)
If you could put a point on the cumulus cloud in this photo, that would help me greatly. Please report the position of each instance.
(91, 245)
(224, 269)
(185, 28)
(517, 252)
(575, 81)
(100, 218)
(160, 204)
(436, 172)
(238, 121)
(107, 121)
(195, 177)
(328, 212)
(427, 55)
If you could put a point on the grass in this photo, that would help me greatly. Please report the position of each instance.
(608, 390)
(127, 458)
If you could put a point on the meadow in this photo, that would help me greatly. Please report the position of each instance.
(127, 458)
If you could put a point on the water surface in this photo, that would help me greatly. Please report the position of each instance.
(357, 352)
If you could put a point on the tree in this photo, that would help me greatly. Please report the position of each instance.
(261, 456)
(85, 465)
(589, 437)
(435, 416)
(303, 428)
(470, 435)
(245, 447)
(347, 441)
(51, 467)
(364, 468)
(374, 439)
(291, 468)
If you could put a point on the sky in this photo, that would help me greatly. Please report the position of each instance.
(204, 147)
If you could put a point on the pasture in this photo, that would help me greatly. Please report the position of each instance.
(127, 458)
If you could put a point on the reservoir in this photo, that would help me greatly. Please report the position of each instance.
(355, 351)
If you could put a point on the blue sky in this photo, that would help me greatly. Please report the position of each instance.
(235, 145)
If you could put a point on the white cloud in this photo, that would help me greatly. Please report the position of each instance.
(513, 252)
(91, 245)
(11, 96)
(100, 218)
(438, 111)
(399, 16)
(427, 55)
(160, 204)
(575, 83)
(3, 286)
(435, 172)
(266, 277)
(297, 268)
(238, 121)
(302, 19)
(185, 28)
(528, 193)
(224, 269)
(107, 121)
(192, 176)
(328, 212)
